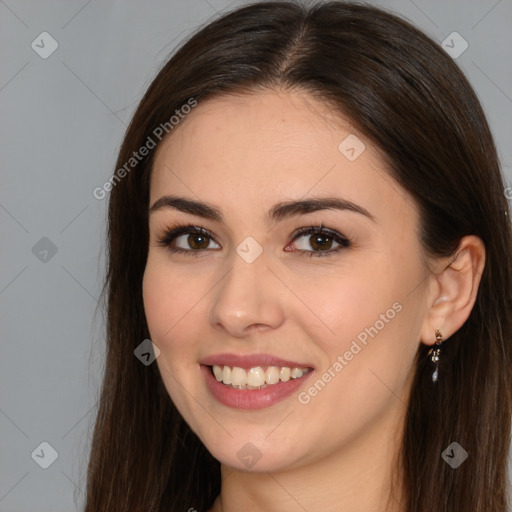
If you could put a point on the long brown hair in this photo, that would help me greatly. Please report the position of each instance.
(409, 98)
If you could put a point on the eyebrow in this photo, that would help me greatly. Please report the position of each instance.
(277, 213)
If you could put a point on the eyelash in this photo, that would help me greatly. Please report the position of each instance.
(179, 229)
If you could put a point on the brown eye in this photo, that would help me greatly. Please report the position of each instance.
(191, 240)
(318, 241)
(196, 241)
(321, 242)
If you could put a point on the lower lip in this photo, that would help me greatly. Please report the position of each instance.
(252, 398)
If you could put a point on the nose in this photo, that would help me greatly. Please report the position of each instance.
(249, 298)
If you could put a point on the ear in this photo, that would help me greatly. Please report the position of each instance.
(453, 289)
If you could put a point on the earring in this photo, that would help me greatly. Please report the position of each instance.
(434, 353)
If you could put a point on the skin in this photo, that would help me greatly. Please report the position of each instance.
(244, 154)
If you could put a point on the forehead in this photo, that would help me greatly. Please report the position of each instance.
(250, 151)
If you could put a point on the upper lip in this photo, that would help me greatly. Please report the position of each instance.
(251, 361)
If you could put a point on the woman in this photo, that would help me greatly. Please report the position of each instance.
(308, 222)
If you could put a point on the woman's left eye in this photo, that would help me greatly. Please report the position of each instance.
(320, 239)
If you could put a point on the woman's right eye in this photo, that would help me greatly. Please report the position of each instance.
(188, 240)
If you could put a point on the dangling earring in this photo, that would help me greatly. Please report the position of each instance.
(434, 354)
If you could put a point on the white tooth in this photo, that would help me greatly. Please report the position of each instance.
(238, 376)
(296, 373)
(272, 375)
(217, 371)
(226, 375)
(284, 374)
(256, 377)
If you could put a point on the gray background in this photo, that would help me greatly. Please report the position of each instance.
(62, 121)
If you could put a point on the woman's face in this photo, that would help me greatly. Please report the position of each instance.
(346, 299)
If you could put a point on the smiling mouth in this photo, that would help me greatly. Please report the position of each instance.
(257, 377)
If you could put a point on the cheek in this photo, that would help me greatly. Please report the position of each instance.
(341, 307)
(159, 301)
(366, 325)
(168, 305)
(365, 363)
(168, 300)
